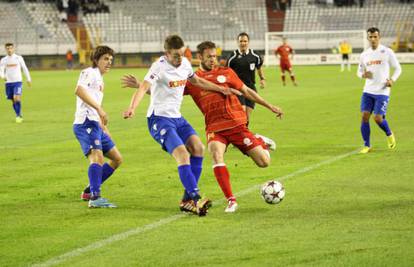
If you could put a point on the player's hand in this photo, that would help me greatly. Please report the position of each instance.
(389, 83)
(129, 113)
(103, 116)
(29, 84)
(130, 81)
(367, 75)
(278, 111)
(262, 83)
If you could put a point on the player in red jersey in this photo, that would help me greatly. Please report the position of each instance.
(225, 118)
(285, 54)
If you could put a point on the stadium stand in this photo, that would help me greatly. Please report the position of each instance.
(140, 25)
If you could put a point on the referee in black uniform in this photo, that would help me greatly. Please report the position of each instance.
(244, 61)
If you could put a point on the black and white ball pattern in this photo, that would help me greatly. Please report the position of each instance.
(273, 192)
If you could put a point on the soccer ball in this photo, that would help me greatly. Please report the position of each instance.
(273, 192)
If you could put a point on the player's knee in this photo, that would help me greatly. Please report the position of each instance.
(264, 161)
(118, 161)
(217, 156)
(196, 149)
(378, 119)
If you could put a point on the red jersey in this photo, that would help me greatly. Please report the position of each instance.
(284, 51)
(221, 112)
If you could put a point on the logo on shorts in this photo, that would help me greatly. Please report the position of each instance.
(252, 66)
(210, 136)
(162, 141)
(89, 130)
(154, 127)
(163, 131)
(247, 141)
(221, 79)
(97, 142)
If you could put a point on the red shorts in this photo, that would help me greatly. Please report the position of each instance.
(240, 136)
(285, 65)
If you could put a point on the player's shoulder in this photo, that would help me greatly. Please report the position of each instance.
(254, 53)
(386, 49)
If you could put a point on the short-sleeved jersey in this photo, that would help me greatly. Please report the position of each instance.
(10, 68)
(345, 49)
(220, 112)
(91, 80)
(245, 65)
(284, 51)
(378, 62)
(167, 87)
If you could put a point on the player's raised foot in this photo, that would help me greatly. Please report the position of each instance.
(19, 119)
(85, 196)
(101, 203)
(231, 206)
(188, 206)
(271, 145)
(295, 84)
(365, 150)
(202, 206)
(391, 141)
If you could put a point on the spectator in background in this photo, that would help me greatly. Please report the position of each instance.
(69, 60)
(188, 54)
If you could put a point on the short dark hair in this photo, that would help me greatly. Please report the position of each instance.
(243, 34)
(100, 51)
(8, 44)
(205, 45)
(373, 29)
(173, 42)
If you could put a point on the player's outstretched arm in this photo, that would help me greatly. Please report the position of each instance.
(253, 96)
(136, 99)
(209, 86)
(83, 94)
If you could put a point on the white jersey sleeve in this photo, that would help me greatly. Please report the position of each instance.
(154, 73)
(395, 64)
(2, 68)
(24, 68)
(361, 67)
(85, 78)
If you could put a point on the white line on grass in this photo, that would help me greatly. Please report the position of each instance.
(122, 236)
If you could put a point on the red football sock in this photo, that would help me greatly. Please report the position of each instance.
(223, 179)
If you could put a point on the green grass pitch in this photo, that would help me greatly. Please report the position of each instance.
(355, 211)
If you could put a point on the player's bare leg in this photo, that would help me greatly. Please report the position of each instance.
(260, 156)
(292, 77)
(194, 146)
(217, 150)
(283, 77)
(249, 111)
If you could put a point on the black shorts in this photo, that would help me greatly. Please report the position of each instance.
(247, 102)
(345, 57)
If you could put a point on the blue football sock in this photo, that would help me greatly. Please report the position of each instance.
(107, 171)
(384, 126)
(189, 181)
(95, 178)
(18, 108)
(196, 168)
(365, 131)
(15, 108)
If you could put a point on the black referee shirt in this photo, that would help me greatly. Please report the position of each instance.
(245, 65)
